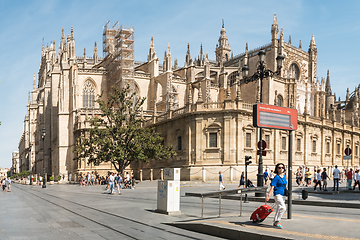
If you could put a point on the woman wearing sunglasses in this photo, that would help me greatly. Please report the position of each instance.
(278, 185)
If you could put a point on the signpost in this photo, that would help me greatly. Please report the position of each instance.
(261, 145)
(348, 156)
(283, 118)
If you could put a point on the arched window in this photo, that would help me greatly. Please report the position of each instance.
(280, 100)
(294, 71)
(88, 95)
(232, 77)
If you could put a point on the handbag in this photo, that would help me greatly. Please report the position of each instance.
(286, 193)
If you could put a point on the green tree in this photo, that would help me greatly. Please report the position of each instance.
(117, 135)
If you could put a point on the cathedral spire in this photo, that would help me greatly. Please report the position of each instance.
(201, 54)
(72, 45)
(327, 84)
(274, 30)
(312, 59)
(152, 53)
(289, 39)
(96, 57)
(72, 33)
(188, 56)
(167, 59)
(34, 82)
(312, 42)
(347, 94)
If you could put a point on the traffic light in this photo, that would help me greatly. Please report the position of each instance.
(247, 160)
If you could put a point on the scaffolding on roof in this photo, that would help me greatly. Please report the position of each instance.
(119, 42)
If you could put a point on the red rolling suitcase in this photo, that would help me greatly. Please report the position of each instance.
(261, 213)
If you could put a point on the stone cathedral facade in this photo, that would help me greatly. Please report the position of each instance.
(203, 108)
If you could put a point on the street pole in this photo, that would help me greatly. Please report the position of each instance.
(43, 138)
(289, 211)
(260, 176)
(260, 74)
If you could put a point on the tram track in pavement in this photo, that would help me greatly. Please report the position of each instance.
(139, 225)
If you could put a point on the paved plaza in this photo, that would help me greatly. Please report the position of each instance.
(74, 212)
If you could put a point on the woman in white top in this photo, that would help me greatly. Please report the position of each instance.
(317, 179)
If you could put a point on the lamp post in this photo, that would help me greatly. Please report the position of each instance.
(43, 138)
(29, 161)
(261, 73)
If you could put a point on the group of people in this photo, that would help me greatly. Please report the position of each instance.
(321, 177)
(6, 184)
(114, 182)
(89, 179)
(351, 176)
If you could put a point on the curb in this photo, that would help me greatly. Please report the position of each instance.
(223, 232)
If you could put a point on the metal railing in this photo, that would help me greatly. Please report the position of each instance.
(225, 193)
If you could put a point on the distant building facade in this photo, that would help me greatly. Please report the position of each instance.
(3, 172)
(203, 109)
(15, 168)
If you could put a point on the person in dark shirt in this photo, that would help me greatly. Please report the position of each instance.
(324, 178)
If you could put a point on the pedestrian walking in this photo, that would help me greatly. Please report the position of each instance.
(132, 181)
(3, 185)
(9, 185)
(356, 179)
(118, 183)
(88, 179)
(342, 175)
(297, 174)
(324, 178)
(271, 175)
(308, 177)
(266, 174)
(301, 176)
(278, 186)
(317, 179)
(221, 181)
(92, 178)
(111, 183)
(349, 177)
(242, 180)
(336, 175)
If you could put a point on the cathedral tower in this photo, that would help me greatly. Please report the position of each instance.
(223, 49)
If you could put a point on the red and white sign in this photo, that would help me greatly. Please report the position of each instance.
(270, 116)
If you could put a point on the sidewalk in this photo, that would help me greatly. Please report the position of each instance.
(39, 218)
(308, 222)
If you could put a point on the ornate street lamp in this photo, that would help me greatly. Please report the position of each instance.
(43, 138)
(262, 73)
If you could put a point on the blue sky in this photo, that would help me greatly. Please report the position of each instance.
(24, 24)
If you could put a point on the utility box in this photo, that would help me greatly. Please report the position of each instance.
(168, 196)
(172, 174)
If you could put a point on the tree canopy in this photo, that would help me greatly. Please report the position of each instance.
(117, 135)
